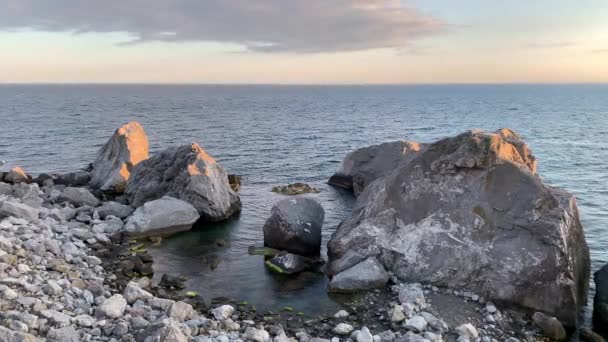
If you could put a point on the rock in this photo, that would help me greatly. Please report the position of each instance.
(287, 263)
(181, 311)
(295, 189)
(365, 275)
(434, 323)
(415, 324)
(19, 210)
(600, 301)
(588, 335)
(360, 167)
(79, 197)
(396, 314)
(295, 226)
(111, 208)
(116, 159)
(412, 294)
(164, 216)
(222, 312)
(133, 292)
(76, 178)
(235, 182)
(387, 336)
(364, 335)
(341, 314)
(256, 335)
(65, 334)
(114, 307)
(188, 173)
(167, 332)
(549, 326)
(467, 330)
(169, 281)
(17, 175)
(474, 203)
(343, 329)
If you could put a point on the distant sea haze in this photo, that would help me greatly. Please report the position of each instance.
(280, 134)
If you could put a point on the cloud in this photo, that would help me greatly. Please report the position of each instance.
(306, 26)
(550, 45)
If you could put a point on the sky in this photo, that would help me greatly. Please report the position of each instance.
(304, 41)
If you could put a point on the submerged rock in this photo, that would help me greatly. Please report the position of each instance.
(361, 167)
(366, 275)
(188, 173)
(295, 189)
(116, 159)
(287, 263)
(600, 301)
(235, 182)
(295, 226)
(164, 216)
(470, 212)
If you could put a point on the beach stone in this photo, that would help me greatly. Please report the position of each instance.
(65, 334)
(412, 294)
(396, 314)
(222, 312)
(475, 204)
(167, 332)
(343, 329)
(362, 166)
(17, 175)
(600, 301)
(295, 226)
(287, 263)
(133, 292)
(116, 159)
(188, 173)
(181, 311)
(113, 307)
(19, 210)
(256, 335)
(164, 216)
(341, 314)
(364, 335)
(235, 182)
(368, 274)
(589, 335)
(79, 197)
(549, 326)
(295, 189)
(415, 324)
(467, 330)
(75, 178)
(112, 208)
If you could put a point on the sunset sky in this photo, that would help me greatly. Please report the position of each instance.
(304, 41)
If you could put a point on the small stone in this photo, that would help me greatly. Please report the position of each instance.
(181, 311)
(415, 324)
(256, 335)
(52, 288)
(467, 330)
(341, 314)
(343, 329)
(114, 306)
(222, 312)
(490, 308)
(397, 315)
(133, 292)
(364, 335)
(550, 326)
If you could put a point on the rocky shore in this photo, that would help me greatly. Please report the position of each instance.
(73, 264)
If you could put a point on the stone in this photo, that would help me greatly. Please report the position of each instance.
(295, 226)
(256, 335)
(600, 301)
(475, 204)
(490, 308)
(589, 335)
(117, 158)
(412, 294)
(113, 307)
(295, 189)
(188, 173)
(65, 334)
(75, 178)
(161, 303)
(19, 210)
(181, 311)
(222, 312)
(17, 175)
(52, 288)
(467, 330)
(235, 182)
(361, 167)
(434, 323)
(396, 314)
(415, 324)
(162, 217)
(133, 293)
(343, 329)
(112, 208)
(84, 320)
(341, 314)
(287, 263)
(167, 332)
(366, 275)
(387, 336)
(364, 335)
(549, 326)
(79, 197)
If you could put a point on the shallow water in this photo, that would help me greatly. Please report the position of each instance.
(280, 134)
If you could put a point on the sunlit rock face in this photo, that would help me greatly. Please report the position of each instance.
(116, 159)
(188, 173)
(470, 212)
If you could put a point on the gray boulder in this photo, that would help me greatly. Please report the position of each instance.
(116, 159)
(17, 175)
(295, 226)
(188, 173)
(19, 210)
(470, 212)
(366, 275)
(79, 197)
(75, 178)
(600, 301)
(162, 217)
(287, 263)
(549, 326)
(362, 166)
(112, 208)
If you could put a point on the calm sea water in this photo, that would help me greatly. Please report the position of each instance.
(280, 134)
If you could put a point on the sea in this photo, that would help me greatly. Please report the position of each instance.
(277, 134)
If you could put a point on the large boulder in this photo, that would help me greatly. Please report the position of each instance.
(600, 301)
(19, 210)
(79, 197)
(17, 175)
(366, 275)
(186, 172)
(116, 159)
(470, 212)
(362, 166)
(74, 178)
(295, 226)
(162, 217)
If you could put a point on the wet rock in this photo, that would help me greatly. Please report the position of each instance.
(17, 175)
(549, 326)
(235, 182)
(366, 275)
(116, 159)
(111, 208)
(295, 226)
(164, 216)
(187, 173)
(168, 281)
(474, 203)
(295, 189)
(589, 335)
(74, 179)
(360, 167)
(114, 307)
(287, 263)
(264, 251)
(600, 301)
(79, 197)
